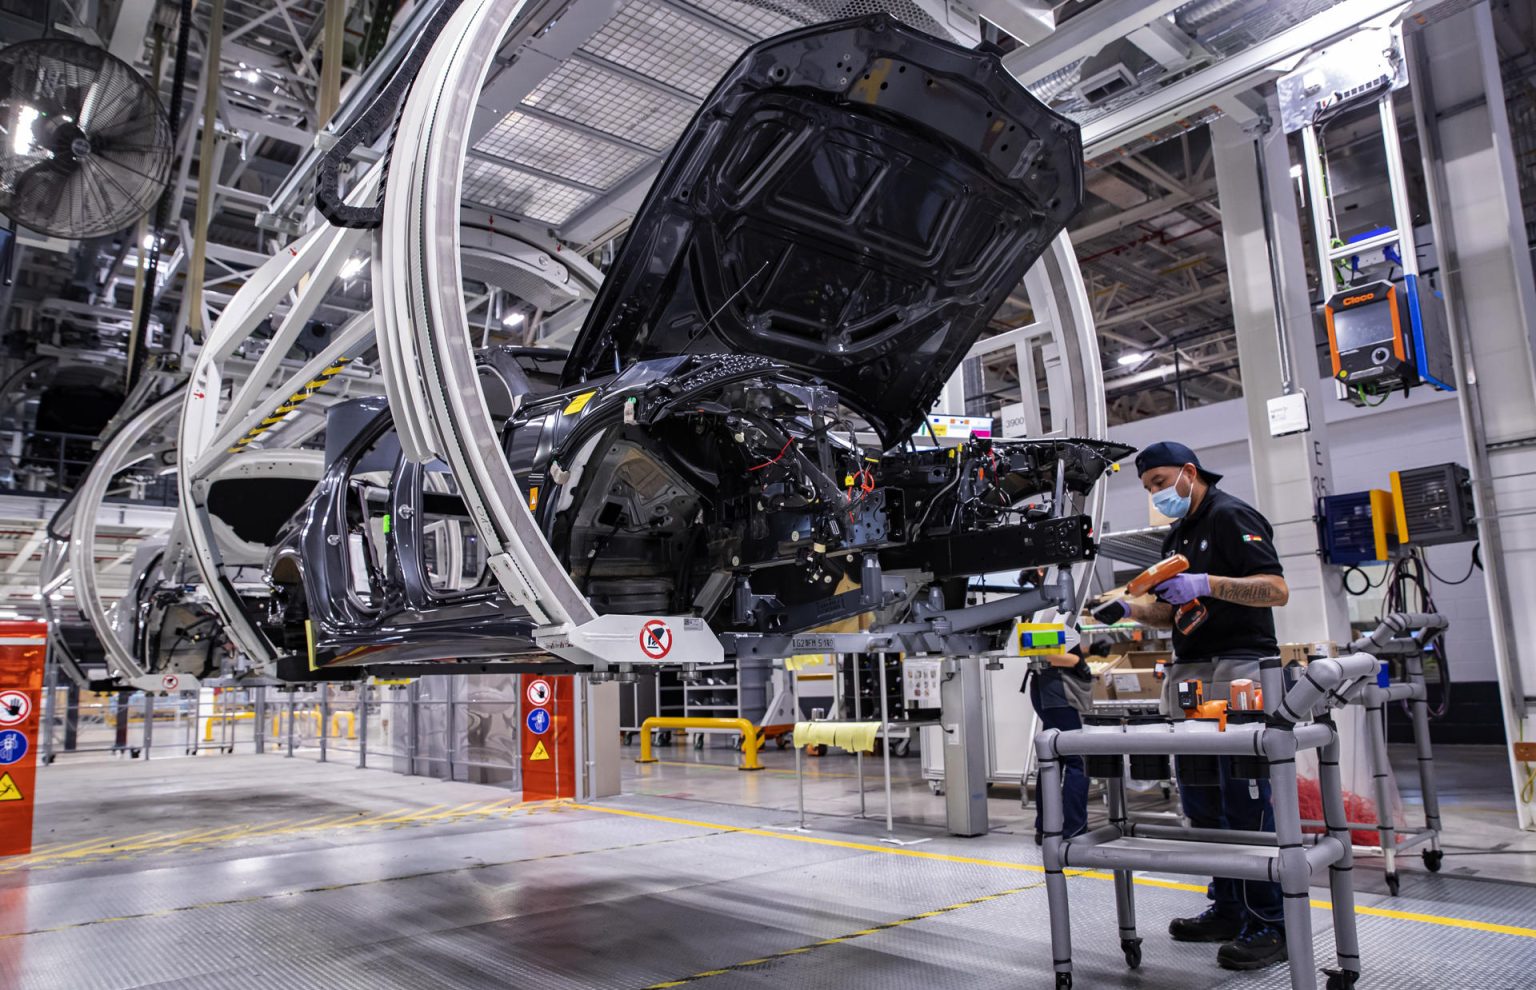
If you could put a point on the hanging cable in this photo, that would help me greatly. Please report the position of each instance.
(1472, 568)
(163, 208)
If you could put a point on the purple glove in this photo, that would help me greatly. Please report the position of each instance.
(1184, 588)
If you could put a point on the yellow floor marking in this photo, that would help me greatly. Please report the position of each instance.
(109, 844)
(1428, 919)
(451, 812)
(99, 841)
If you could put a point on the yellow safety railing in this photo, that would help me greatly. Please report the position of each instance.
(314, 713)
(208, 721)
(749, 738)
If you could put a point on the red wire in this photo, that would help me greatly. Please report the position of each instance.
(782, 451)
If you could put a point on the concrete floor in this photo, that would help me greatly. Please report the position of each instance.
(260, 871)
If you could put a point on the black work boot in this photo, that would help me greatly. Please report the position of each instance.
(1259, 945)
(1208, 926)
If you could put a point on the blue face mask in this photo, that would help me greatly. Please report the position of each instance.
(1170, 503)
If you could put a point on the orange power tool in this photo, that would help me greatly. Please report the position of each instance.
(1187, 617)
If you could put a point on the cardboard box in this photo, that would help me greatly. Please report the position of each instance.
(1135, 678)
(1303, 652)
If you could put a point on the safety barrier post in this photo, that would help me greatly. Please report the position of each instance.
(749, 738)
(325, 718)
(149, 722)
(260, 711)
(362, 714)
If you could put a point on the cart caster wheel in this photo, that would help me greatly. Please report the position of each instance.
(664, 739)
(1167, 793)
(1132, 949)
(1063, 981)
(1341, 980)
(820, 749)
(698, 741)
(133, 754)
(901, 747)
(1392, 884)
(48, 760)
(1432, 860)
(936, 787)
(782, 740)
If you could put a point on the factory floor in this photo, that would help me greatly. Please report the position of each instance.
(265, 871)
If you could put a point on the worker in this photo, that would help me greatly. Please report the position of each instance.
(1061, 691)
(1235, 571)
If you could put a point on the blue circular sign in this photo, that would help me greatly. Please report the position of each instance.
(538, 721)
(13, 746)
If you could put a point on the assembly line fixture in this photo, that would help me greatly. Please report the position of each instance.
(1295, 720)
(1403, 636)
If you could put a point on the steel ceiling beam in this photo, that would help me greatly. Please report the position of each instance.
(1241, 71)
(1084, 35)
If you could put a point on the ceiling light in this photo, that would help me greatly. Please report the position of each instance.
(512, 320)
(1133, 357)
(353, 265)
(148, 243)
(1296, 172)
(37, 596)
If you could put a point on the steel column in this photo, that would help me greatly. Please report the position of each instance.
(1290, 472)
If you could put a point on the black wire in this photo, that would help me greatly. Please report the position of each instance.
(1355, 569)
(163, 208)
(1472, 568)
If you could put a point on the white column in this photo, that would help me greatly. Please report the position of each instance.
(1480, 233)
(1289, 473)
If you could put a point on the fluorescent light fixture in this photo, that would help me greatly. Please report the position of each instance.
(352, 266)
(24, 140)
(1134, 357)
(512, 320)
(37, 596)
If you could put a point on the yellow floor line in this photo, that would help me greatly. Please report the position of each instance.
(1445, 921)
(99, 842)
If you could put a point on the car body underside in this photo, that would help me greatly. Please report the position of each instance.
(732, 436)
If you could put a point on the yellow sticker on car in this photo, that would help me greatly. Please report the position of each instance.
(578, 403)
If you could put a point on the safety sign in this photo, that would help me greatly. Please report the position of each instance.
(539, 753)
(538, 693)
(15, 706)
(13, 746)
(655, 639)
(538, 721)
(8, 789)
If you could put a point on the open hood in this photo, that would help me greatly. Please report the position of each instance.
(854, 201)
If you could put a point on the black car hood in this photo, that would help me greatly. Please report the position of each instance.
(854, 200)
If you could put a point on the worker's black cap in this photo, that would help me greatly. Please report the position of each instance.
(1170, 453)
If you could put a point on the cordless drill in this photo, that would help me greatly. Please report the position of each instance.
(1187, 617)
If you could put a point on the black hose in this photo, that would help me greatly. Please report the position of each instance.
(163, 208)
(329, 199)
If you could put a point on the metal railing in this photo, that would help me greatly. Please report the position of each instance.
(42, 462)
(401, 726)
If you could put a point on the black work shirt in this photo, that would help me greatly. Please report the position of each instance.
(1227, 537)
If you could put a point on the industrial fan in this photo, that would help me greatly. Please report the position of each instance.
(87, 147)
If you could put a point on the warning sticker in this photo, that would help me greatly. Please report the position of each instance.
(15, 706)
(538, 693)
(655, 639)
(539, 753)
(8, 789)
